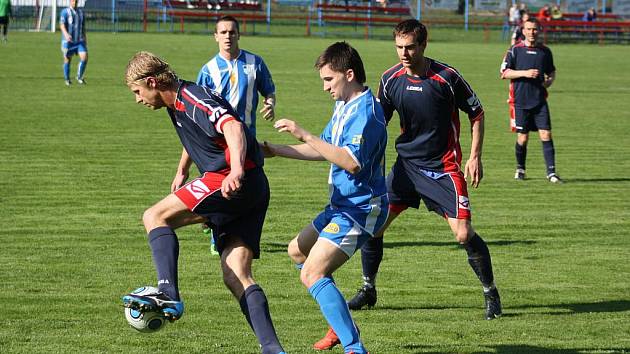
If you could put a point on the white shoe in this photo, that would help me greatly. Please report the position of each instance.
(519, 174)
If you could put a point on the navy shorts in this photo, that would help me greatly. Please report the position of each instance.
(243, 215)
(442, 192)
(532, 119)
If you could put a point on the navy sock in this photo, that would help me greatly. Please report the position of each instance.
(165, 250)
(256, 310)
(549, 152)
(480, 261)
(371, 257)
(521, 155)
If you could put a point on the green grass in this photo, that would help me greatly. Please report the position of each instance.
(80, 164)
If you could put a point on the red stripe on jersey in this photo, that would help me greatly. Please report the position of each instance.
(400, 72)
(196, 103)
(248, 165)
(395, 67)
(453, 156)
(414, 81)
(179, 106)
(226, 118)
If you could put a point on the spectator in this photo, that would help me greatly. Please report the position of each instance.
(590, 15)
(518, 36)
(523, 10)
(514, 15)
(544, 14)
(5, 13)
(556, 14)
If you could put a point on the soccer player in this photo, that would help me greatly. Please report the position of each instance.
(231, 195)
(428, 95)
(529, 66)
(73, 40)
(354, 143)
(239, 76)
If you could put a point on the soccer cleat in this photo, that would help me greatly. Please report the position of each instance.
(366, 295)
(68, 82)
(493, 304)
(158, 301)
(519, 174)
(554, 178)
(329, 341)
(80, 81)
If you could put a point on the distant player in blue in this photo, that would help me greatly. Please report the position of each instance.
(428, 96)
(238, 75)
(354, 143)
(529, 67)
(231, 195)
(73, 40)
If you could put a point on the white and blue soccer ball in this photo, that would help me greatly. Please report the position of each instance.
(148, 321)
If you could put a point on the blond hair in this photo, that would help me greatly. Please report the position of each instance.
(146, 64)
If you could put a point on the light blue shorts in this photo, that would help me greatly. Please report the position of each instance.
(349, 229)
(73, 48)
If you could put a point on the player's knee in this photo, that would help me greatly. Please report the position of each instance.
(151, 218)
(294, 252)
(309, 276)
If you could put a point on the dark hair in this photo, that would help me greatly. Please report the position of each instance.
(227, 18)
(412, 26)
(342, 57)
(533, 20)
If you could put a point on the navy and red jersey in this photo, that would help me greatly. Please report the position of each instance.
(528, 93)
(198, 118)
(428, 107)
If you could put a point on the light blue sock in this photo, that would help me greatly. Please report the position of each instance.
(66, 71)
(81, 70)
(336, 312)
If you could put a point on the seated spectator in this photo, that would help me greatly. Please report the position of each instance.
(556, 14)
(590, 15)
(544, 14)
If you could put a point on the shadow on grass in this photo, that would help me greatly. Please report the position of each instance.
(517, 349)
(277, 247)
(596, 180)
(603, 306)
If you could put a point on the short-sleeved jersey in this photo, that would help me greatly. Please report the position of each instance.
(239, 81)
(428, 107)
(74, 21)
(359, 127)
(528, 93)
(198, 118)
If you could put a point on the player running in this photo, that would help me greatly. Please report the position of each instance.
(428, 95)
(354, 143)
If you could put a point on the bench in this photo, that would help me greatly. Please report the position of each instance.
(593, 31)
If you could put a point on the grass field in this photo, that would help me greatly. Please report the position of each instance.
(80, 164)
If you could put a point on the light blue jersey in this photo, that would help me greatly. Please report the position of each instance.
(74, 21)
(358, 203)
(239, 81)
(358, 126)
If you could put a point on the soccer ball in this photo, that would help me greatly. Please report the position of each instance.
(148, 321)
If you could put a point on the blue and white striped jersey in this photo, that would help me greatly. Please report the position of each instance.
(74, 21)
(359, 127)
(239, 81)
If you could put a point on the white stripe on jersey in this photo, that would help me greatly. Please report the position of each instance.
(215, 74)
(250, 61)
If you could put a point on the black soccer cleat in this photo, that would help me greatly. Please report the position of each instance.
(493, 304)
(366, 295)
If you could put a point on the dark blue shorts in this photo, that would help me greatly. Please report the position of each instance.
(243, 215)
(442, 192)
(532, 119)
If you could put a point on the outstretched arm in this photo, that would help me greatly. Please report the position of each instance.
(329, 152)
